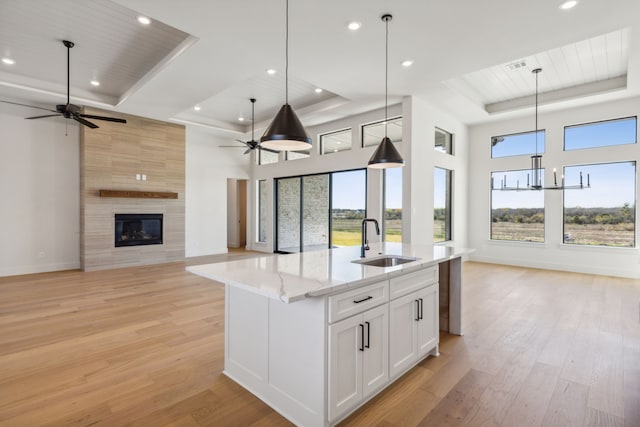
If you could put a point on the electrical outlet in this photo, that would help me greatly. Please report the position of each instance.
(41, 254)
(144, 177)
(138, 177)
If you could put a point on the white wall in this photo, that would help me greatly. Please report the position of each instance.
(417, 148)
(207, 169)
(39, 183)
(420, 123)
(552, 254)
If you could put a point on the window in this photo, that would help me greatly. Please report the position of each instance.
(335, 141)
(444, 141)
(373, 133)
(262, 210)
(517, 144)
(348, 207)
(392, 222)
(603, 215)
(601, 134)
(442, 204)
(516, 215)
(293, 155)
(265, 157)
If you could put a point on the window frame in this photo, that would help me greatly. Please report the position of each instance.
(451, 152)
(448, 227)
(635, 208)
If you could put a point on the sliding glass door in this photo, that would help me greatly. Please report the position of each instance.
(320, 211)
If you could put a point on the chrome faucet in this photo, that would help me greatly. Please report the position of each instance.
(365, 242)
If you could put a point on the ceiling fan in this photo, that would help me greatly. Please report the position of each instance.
(69, 110)
(253, 144)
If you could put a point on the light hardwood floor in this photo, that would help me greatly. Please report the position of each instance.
(144, 347)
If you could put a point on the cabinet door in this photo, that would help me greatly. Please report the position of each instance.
(403, 347)
(428, 334)
(345, 365)
(375, 358)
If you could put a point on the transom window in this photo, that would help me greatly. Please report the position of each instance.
(334, 142)
(443, 141)
(373, 133)
(601, 134)
(517, 144)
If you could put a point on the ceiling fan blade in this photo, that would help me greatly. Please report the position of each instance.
(267, 149)
(244, 142)
(106, 119)
(42, 117)
(85, 122)
(230, 146)
(30, 106)
(247, 151)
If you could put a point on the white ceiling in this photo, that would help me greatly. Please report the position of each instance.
(214, 54)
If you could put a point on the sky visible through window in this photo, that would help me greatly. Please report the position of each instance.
(517, 144)
(349, 189)
(600, 134)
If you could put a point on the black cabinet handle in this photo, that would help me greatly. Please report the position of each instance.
(421, 312)
(362, 300)
(417, 319)
(368, 335)
(361, 337)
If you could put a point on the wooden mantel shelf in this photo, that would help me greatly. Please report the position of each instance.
(138, 194)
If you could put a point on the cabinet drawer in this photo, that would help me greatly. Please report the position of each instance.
(402, 285)
(358, 300)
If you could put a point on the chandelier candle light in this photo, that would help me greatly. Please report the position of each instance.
(536, 166)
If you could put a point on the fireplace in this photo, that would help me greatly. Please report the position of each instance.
(138, 229)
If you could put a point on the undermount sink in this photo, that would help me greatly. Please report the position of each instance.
(386, 261)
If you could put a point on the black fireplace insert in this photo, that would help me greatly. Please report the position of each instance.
(138, 229)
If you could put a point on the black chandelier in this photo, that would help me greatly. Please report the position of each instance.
(536, 167)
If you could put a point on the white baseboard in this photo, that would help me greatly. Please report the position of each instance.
(39, 268)
(589, 269)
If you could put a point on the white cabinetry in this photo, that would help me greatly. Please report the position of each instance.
(413, 322)
(358, 359)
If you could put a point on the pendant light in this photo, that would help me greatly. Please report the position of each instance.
(536, 166)
(286, 133)
(386, 155)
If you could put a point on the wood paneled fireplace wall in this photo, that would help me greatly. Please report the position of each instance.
(116, 157)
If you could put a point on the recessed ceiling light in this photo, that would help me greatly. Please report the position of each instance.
(8, 61)
(197, 108)
(271, 71)
(318, 90)
(407, 63)
(354, 25)
(95, 83)
(241, 119)
(568, 5)
(144, 20)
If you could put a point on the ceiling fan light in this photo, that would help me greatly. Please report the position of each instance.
(386, 156)
(8, 61)
(286, 133)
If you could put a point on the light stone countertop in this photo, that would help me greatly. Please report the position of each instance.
(293, 277)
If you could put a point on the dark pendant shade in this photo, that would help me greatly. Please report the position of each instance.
(286, 132)
(386, 156)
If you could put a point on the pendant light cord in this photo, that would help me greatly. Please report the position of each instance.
(286, 56)
(386, 76)
(68, 73)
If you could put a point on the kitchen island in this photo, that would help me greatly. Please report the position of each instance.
(315, 335)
